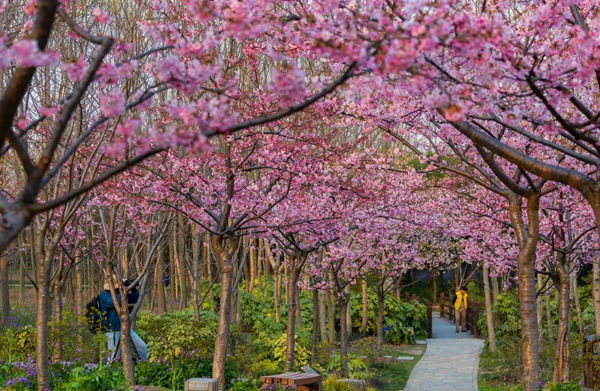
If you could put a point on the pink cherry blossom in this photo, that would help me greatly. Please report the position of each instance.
(112, 103)
(100, 16)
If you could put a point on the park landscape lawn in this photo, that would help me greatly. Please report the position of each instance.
(392, 374)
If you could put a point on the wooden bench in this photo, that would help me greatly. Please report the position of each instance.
(299, 380)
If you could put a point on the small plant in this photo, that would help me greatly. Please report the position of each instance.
(101, 378)
(571, 386)
(245, 385)
(333, 384)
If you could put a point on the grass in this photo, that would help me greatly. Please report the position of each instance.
(392, 375)
(489, 378)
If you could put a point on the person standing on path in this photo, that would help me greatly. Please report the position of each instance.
(460, 307)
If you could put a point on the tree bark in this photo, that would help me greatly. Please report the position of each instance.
(43, 283)
(79, 296)
(435, 288)
(295, 266)
(222, 341)
(495, 289)
(562, 355)
(4, 290)
(596, 293)
(323, 317)
(380, 311)
(124, 340)
(343, 304)
(348, 313)
(488, 309)
(315, 330)
(58, 307)
(196, 275)
(365, 309)
(539, 304)
(549, 318)
(527, 296)
(575, 295)
(161, 299)
(277, 295)
(22, 267)
(331, 314)
(298, 309)
(253, 252)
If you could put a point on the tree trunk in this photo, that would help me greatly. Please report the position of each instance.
(57, 348)
(323, 317)
(260, 259)
(125, 345)
(562, 355)
(527, 295)
(488, 310)
(298, 309)
(539, 305)
(291, 316)
(435, 288)
(277, 302)
(79, 296)
(348, 313)
(365, 309)
(380, 311)
(575, 295)
(22, 267)
(222, 341)
(315, 330)
(4, 290)
(209, 271)
(182, 266)
(495, 289)
(196, 275)
(252, 265)
(331, 314)
(343, 303)
(43, 283)
(596, 294)
(161, 299)
(549, 318)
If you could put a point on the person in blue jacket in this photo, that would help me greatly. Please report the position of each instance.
(113, 323)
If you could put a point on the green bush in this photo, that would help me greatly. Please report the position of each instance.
(174, 372)
(102, 378)
(21, 375)
(245, 385)
(18, 343)
(172, 333)
(333, 384)
(506, 309)
(399, 315)
(571, 386)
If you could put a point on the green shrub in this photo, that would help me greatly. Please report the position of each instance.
(571, 386)
(172, 333)
(365, 348)
(401, 316)
(245, 385)
(18, 343)
(506, 309)
(102, 378)
(173, 373)
(333, 384)
(21, 375)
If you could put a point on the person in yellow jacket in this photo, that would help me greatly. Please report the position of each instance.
(460, 307)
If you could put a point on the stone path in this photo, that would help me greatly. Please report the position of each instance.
(450, 363)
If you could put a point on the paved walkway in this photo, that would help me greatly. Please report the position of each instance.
(450, 362)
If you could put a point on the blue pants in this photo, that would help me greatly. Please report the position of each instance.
(113, 337)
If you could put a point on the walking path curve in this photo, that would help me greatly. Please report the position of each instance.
(450, 363)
